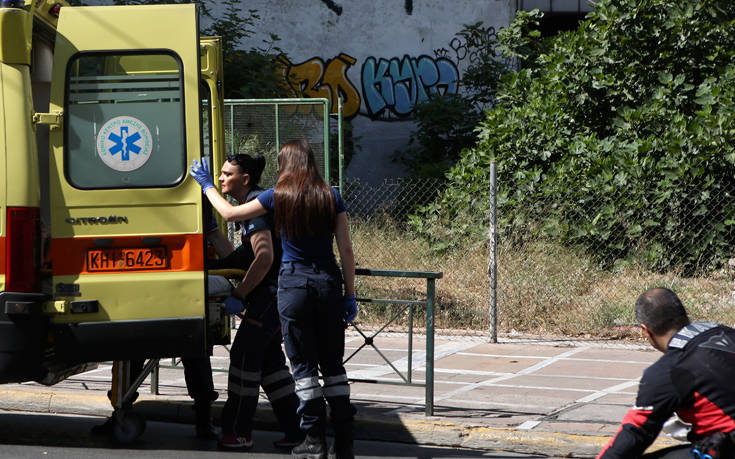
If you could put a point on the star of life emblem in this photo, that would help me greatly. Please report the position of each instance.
(124, 143)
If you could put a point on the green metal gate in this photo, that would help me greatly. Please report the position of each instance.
(261, 126)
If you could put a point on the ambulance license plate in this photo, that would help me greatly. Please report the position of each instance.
(127, 259)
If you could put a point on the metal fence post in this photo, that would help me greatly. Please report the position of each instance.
(232, 131)
(492, 267)
(327, 171)
(430, 295)
(340, 144)
(155, 378)
(277, 127)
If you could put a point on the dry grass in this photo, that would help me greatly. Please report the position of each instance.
(543, 288)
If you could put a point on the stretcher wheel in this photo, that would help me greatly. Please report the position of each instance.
(128, 427)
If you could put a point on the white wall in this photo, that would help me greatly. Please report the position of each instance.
(371, 32)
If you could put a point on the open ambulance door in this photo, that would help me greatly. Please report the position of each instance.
(213, 101)
(127, 249)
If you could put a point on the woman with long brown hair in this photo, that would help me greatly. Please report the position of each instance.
(312, 305)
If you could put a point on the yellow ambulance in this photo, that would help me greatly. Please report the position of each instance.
(102, 110)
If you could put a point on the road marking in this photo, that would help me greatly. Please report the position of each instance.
(528, 425)
(617, 389)
(541, 357)
(550, 361)
(418, 361)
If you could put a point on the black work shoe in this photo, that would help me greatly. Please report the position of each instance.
(342, 448)
(206, 432)
(341, 452)
(313, 447)
(203, 420)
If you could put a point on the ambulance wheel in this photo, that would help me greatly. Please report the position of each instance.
(128, 427)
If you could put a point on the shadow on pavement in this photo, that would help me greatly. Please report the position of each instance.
(74, 432)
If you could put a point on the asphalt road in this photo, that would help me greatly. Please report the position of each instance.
(30, 435)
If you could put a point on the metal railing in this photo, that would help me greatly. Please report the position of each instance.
(407, 305)
(407, 378)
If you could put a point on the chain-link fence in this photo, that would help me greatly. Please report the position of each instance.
(555, 275)
(382, 239)
(563, 272)
(545, 284)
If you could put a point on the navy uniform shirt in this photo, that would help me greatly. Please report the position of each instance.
(307, 249)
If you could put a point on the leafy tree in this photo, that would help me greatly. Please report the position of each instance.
(253, 73)
(618, 136)
(445, 123)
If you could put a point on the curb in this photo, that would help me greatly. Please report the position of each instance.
(403, 429)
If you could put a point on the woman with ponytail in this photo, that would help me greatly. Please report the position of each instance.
(314, 301)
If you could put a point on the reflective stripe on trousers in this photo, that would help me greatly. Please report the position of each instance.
(308, 388)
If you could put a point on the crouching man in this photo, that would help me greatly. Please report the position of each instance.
(694, 379)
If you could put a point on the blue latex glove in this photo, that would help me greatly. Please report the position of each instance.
(201, 174)
(233, 305)
(350, 306)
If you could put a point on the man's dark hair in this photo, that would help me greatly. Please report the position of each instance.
(249, 165)
(660, 310)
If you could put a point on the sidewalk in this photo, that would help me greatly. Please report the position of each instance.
(563, 398)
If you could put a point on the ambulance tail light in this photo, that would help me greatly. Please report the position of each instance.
(22, 246)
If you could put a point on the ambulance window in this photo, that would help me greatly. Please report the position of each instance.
(124, 125)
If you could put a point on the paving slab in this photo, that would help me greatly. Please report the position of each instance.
(496, 364)
(592, 412)
(514, 350)
(593, 368)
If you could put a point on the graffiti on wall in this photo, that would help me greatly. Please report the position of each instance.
(337, 8)
(471, 51)
(325, 79)
(391, 87)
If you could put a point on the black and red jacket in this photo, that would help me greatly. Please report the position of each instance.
(694, 378)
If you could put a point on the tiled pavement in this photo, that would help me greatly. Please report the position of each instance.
(556, 397)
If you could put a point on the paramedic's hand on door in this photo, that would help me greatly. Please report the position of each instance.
(201, 174)
(350, 306)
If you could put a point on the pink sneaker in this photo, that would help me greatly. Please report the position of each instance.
(232, 441)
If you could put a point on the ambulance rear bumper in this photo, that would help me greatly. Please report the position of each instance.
(129, 340)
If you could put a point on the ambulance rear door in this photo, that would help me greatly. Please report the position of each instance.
(127, 250)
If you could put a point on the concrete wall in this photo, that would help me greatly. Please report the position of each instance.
(382, 56)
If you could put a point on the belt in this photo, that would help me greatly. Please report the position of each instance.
(317, 266)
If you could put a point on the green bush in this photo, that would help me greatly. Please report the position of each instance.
(617, 137)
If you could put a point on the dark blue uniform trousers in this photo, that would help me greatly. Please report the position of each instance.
(310, 305)
(256, 359)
